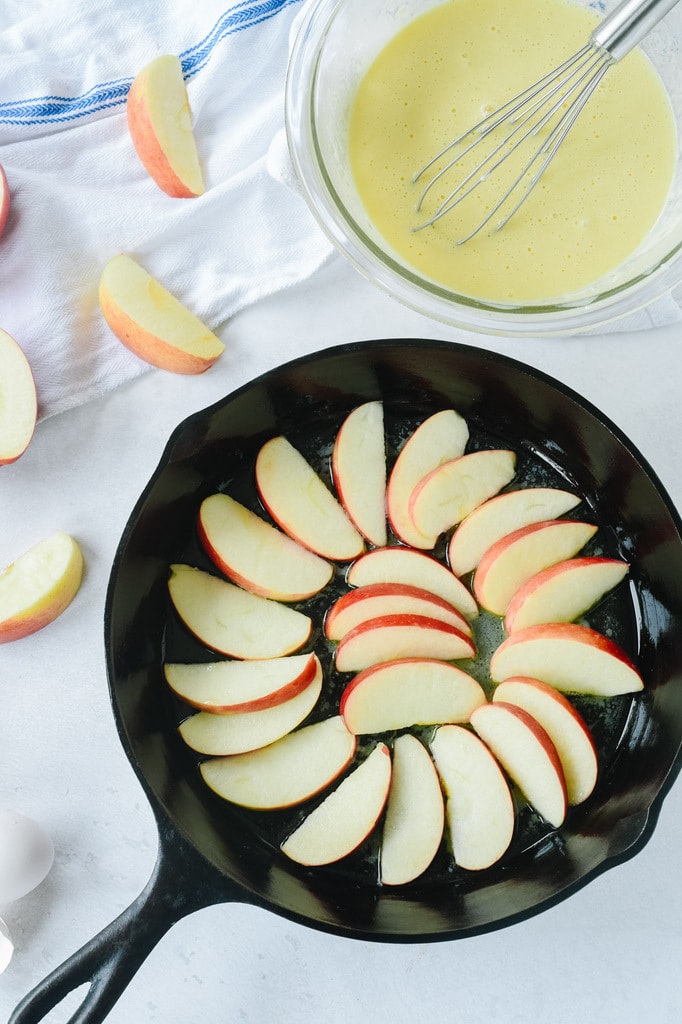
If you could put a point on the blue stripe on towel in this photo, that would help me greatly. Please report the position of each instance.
(59, 109)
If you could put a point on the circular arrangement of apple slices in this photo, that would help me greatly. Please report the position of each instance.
(418, 750)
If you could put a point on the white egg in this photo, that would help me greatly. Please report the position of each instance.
(6, 946)
(26, 855)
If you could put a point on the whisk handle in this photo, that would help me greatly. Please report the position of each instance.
(628, 24)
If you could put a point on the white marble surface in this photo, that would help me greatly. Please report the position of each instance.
(611, 953)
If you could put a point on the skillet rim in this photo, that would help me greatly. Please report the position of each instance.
(633, 838)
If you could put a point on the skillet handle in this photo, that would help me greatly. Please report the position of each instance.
(181, 883)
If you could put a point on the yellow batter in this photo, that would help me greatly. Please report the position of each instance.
(596, 202)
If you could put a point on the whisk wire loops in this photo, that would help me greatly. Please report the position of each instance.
(529, 113)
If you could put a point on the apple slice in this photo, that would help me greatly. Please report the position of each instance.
(569, 657)
(440, 438)
(393, 637)
(233, 621)
(18, 402)
(346, 817)
(301, 504)
(413, 568)
(415, 814)
(286, 772)
(359, 470)
(4, 199)
(527, 754)
(563, 591)
(39, 586)
(503, 514)
(257, 555)
(479, 806)
(411, 691)
(160, 126)
(221, 686)
(208, 733)
(565, 727)
(378, 599)
(151, 322)
(511, 562)
(448, 493)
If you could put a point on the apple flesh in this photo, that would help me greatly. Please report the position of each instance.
(222, 686)
(451, 491)
(412, 568)
(233, 621)
(565, 727)
(415, 814)
(414, 691)
(563, 591)
(393, 637)
(378, 599)
(18, 402)
(479, 806)
(346, 817)
(359, 470)
(503, 514)
(527, 754)
(39, 585)
(440, 438)
(209, 733)
(160, 126)
(569, 657)
(4, 199)
(286, 772)
(511, 562)
(302, 505)
(256, 555)
(151, 322)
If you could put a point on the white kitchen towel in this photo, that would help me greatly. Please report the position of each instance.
(79, 193)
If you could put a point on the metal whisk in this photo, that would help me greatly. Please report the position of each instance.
(551, 105)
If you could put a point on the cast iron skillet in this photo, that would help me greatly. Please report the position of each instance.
(210, 852)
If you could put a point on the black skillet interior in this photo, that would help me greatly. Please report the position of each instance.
(559, 439)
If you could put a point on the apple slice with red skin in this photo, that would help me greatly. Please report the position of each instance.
(160, 126)
(239, 732)
(570, 657)
(18, 401)
(359, 470)
(509, 563)
(563, 591)
(392, 637)
(234, 621)
(4, 199)
(440, 438)
(222, 686)
(378, 599)
(346, 817)
(151, 322)
(302, 505)
(410, 691)
(565, 727)
(479, 806)
(286, 772)
(451, 491)
(415, 814)
(503, 514)
(256, 555)
(527, 754)
(413, 568)
(39, 585)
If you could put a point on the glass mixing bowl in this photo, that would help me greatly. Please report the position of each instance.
(336, 42)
